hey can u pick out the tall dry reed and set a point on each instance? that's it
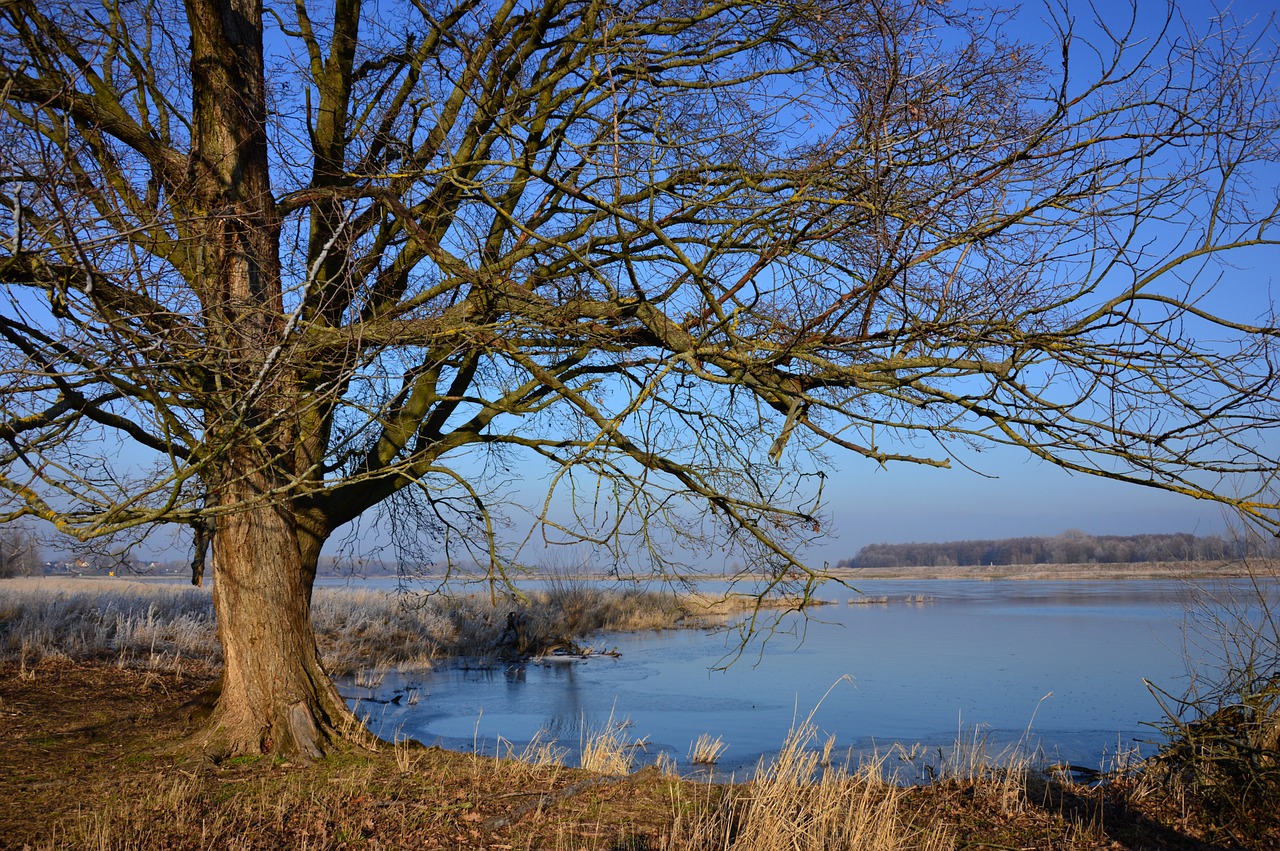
(607, 749)
(793, 803)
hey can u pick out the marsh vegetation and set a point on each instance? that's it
(95, 758)
(137, 622)
(96, 676)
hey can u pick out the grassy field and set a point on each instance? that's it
(93, 757)
(153, 624)
(95, 678)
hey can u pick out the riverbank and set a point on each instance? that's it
(1197, 571)
(1090, 572)
(92, 754)
(1233, 569)
(139, 622)
(363, 626)
(93, 757)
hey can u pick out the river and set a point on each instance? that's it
(1054, 666)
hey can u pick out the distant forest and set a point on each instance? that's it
(1071, 547)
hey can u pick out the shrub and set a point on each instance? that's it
(1221, 739)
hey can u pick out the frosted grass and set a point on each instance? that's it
(123, 619)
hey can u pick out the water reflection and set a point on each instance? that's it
(1055, 663)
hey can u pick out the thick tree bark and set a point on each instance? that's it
(275, 695)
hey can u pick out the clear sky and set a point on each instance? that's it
(1018, 496)
(1027, 497)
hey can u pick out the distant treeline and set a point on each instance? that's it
(1071, 547)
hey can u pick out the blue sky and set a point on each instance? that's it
(1015, 495)
(1018, 496)
(1027, 497)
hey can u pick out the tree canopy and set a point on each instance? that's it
(313, 260)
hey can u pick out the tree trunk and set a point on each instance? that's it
(275, 695)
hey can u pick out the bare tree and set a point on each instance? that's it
(19, 551)
(310, 260)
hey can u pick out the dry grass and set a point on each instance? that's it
(89, 758)
(93, 759)
(370, 678)
(1002, 776)
(707, 750)
(147, 624)
(1221, 737)
(124, 824)
(790, 804)
(123, 781)
(910, 600)
(107, 619)
(607, 749)
(407, 753)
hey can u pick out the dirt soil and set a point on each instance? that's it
(93, 756)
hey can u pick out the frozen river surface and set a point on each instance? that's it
(1054, 664)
